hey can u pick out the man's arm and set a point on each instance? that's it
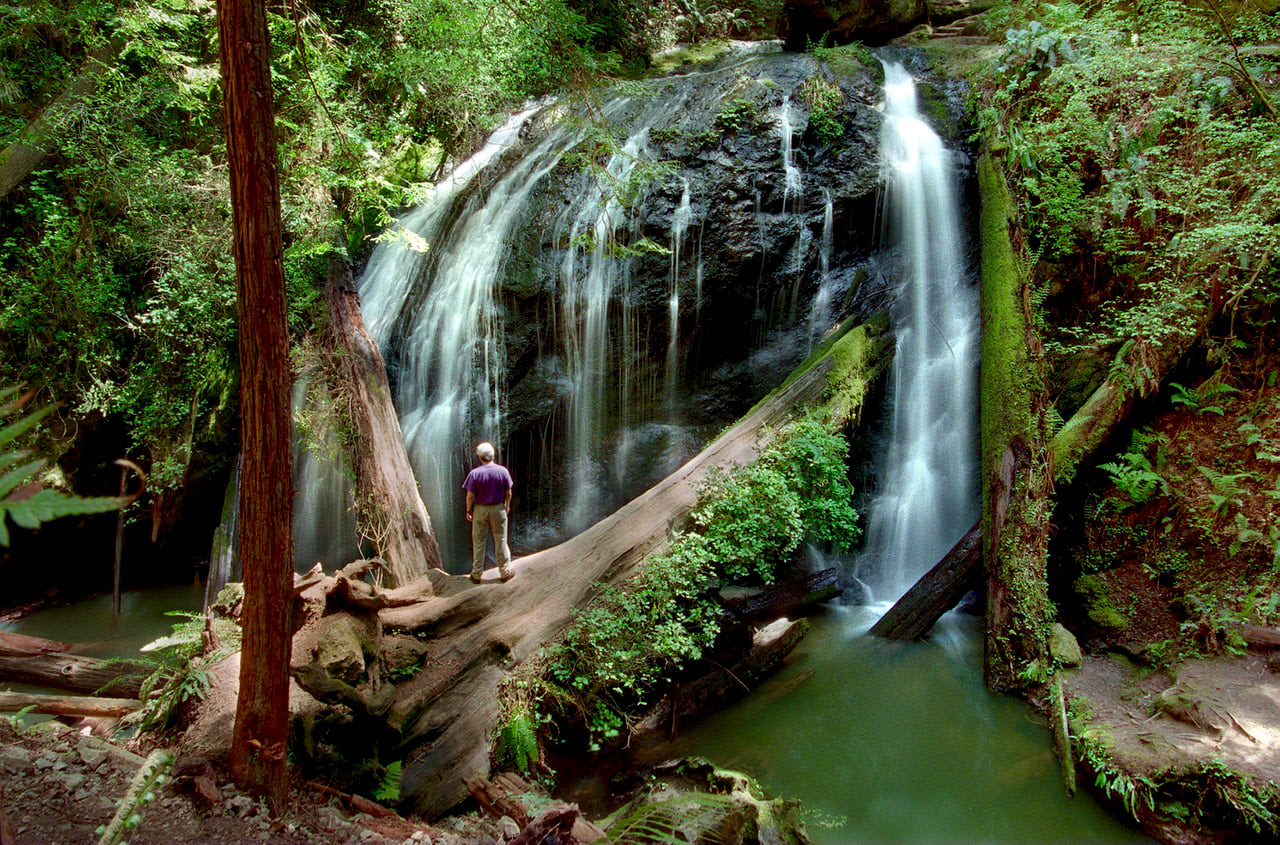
(506, 501)
(471, 502)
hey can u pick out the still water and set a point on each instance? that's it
(142, 619)
(900, 742)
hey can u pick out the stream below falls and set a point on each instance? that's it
(900, 742)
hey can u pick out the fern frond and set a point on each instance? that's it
(16, 429)
(14, 477)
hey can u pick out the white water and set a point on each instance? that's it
(927, 496)
(792, 181)
(679, 225)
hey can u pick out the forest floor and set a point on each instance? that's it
(1176, 554)
(58, 784)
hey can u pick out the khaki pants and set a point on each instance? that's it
(486, 520)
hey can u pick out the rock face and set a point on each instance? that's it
(874, 21)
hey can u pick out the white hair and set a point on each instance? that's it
(486, 451)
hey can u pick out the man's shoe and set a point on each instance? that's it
(506, 576)
(475, 579)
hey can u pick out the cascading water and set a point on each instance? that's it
(819, 316)
(792, 180)
(926, 498)
(679, 225)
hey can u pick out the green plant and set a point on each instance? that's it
(29, 503)
(141, 792)
(1137, 477)
(825, 101)
(17, 720)
(181, 672)
(1195, 399)
(388, 790)
(516, 745)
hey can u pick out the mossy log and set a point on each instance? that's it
(474, 636)
(388, 507)
(937, 591)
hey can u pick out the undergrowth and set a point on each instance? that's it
(638, 636)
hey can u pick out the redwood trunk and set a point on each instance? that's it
(389, 509)
(266, 544)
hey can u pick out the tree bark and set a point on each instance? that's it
(72, 673)
(389, 509)
(937, 591)
(68, 705)
(266, 494)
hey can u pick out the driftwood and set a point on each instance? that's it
(937, 591)
(556, 824)
(785, 598)
(389, 509)
(67, 705)
(72, 673)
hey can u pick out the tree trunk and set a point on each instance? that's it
(29, 149)
(72, 673)
(67, 705)
(1016, 480)
(389, 509)
(266, 493)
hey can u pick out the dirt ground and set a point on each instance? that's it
(59, 785)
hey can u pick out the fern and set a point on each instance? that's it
(24, 501)
(388, 792)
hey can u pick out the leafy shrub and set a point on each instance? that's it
(748, 520)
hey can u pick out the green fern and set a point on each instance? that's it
(25, 501)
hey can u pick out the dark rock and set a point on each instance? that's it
(808, 22)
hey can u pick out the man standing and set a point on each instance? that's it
(488, 489)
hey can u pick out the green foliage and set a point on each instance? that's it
(181, 669)
(1136, 476)
(1141, 162)
(150, 776)
(516, 745)
(388, 791)
(1200, 399)
(825, 102)
(664, 822)
(636, 637)
(28, 503)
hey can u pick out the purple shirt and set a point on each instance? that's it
(490, 483)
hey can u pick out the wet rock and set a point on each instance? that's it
(1063, 646)
(241, 805)
(70, 782)
(121, 759)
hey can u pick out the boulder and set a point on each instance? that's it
(1063, 647)
(808, 22)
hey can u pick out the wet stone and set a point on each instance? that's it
(92, 757)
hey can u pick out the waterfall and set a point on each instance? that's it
(819, 311)
(224, 555)
(792, 183)
(679, 224)
(926, 499)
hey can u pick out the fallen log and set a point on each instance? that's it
(478, 635)
(937, 591)
(785, 598)
(67, 705)
(73, 673)
(500, 797)
(1260, 637)
(21, 645)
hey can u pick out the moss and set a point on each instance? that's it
(674, 60)
(1095, 599)
(853, 59)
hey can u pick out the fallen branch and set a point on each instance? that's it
(67, 705)
(72, 673)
